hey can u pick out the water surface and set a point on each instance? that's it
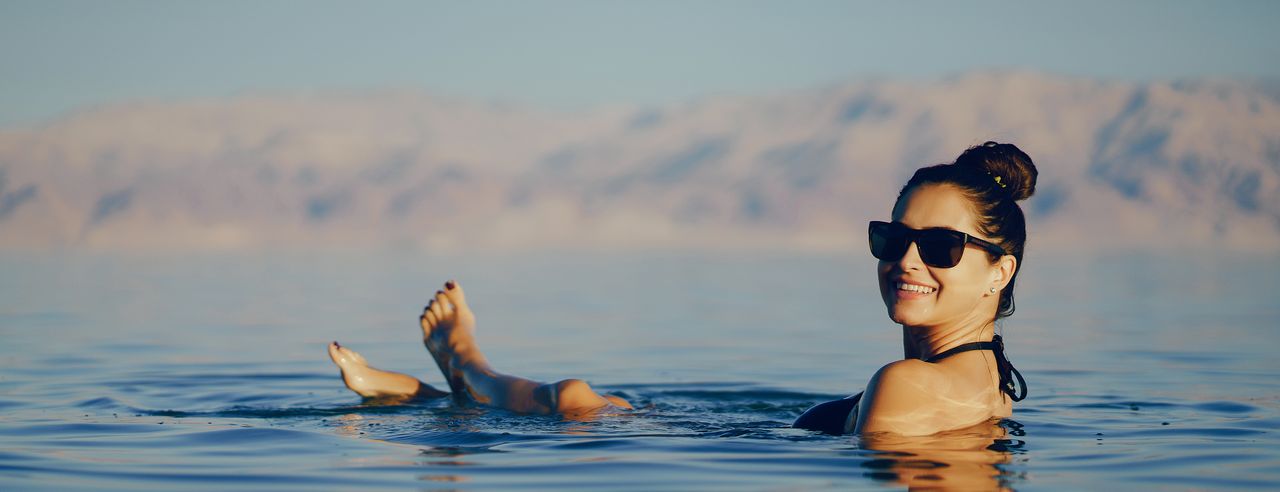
(167, 372)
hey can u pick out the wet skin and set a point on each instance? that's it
(912, 397)
(448, 327)
(377, 384)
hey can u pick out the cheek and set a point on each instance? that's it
(962, 284)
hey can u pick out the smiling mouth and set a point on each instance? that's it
(918, 289)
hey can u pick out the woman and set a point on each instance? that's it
(948, 262)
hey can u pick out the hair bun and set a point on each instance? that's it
(1006, 161)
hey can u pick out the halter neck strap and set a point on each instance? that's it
(1006, 369)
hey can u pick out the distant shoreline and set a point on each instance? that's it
(1163, 166)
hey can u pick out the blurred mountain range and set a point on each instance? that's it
(1186, 165)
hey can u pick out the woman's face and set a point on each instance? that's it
(960, 294)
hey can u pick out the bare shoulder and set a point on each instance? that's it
(913, 397)
(910, 374)
(903, 385)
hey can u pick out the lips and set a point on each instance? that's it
(907, 290)
(915, 288)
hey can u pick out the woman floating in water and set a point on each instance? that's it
(948, 261)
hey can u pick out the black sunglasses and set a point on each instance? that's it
(939, 247)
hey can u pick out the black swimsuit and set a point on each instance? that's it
(830, 417)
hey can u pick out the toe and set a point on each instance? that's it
(446, 307)
(344, 357)
(454, 292)
(436, 309)
(430, 319)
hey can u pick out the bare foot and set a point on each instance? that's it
(375, 383)
(448, 331)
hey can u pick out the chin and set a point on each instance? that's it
(895, 315)
(905, 316)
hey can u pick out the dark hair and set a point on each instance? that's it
(994, 177)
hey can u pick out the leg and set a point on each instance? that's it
(448, 328)
(375, 383)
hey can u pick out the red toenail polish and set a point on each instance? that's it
(449, 285)
(439, 292)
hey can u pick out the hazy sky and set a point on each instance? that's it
(59, 56)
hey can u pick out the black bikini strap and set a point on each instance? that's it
(993, 346)
(1005, 368)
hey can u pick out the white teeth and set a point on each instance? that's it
(915, 288)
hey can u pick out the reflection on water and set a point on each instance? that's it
(129, 373)
(959, 460)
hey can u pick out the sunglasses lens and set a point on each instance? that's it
(888, 243)
(940, 249)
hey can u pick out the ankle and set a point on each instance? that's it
(472, 361)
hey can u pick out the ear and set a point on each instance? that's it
(1003, 272)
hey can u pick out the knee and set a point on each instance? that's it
(572, 387)
(575, 394)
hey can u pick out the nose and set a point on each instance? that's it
(911, 259)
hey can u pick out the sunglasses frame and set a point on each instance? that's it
(914, 236)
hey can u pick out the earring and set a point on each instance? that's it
(993, 290)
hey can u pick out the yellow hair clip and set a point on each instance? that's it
(1002, 185)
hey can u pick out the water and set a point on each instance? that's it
(206, 372)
